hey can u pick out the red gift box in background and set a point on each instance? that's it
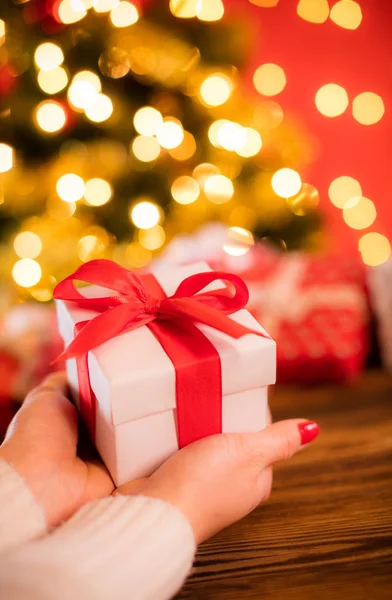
(314, 305)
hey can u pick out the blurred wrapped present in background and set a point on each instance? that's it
(125, 126)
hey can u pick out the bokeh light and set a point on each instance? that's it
(342, 189)
(26, 272)
(147, 120)
(71, 11)
(102, 6)
(90, 247)
(124, 14)
(347, 14)
(269, 79)
(203, 171)
(50, 116)
(368, 108)
(305, 202)
(90, 77)
(99, 109)
(186, 149)
(145, 214)
(2, 32)
(359, 213)
(70, 187)
(52, 81)
(213, 131)
(210, 10)
(48, 56)
(314, 11)
(239, 241)
(231, 136)
(265, 3)
(170, 133)
(97, 191)
(81, 94)
(375, 248)
(146, 148)
(268, 115)
(137, 256)
(252, 144)
(152, 238)
(185, 190)
(216, 89)
(184, 9)
(218, 188)
(27, 244)
(331, 100)
(286, 183)
(6, 157)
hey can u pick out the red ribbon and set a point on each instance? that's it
(140, 301)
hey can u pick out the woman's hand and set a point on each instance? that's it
(41, 444)
(220, 479)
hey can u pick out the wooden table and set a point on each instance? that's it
(326, 532)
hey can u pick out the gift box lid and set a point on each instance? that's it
(132, 376)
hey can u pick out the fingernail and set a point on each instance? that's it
(308, 431)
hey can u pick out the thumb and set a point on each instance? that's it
(283, 439)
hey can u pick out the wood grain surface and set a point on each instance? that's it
(326, 532)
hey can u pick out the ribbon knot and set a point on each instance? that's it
(132, 307)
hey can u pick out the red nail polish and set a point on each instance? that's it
(308, 431)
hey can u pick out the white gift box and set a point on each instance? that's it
(133, 380)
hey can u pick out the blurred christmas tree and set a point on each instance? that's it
(123, 125)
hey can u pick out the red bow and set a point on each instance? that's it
(132, 307)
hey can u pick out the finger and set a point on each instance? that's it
(132, 488)
(282, 440)
(99, 482)
(55, 382)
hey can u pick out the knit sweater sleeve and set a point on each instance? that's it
(121, 547)
(21, 518)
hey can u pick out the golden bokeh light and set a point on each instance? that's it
(186, 149)
(359, 213)
(59, 210)
(97, 191)
(50, 116)
(203, 171)
(147, 120)
(331, 100)
(81, 94)
(90, 247)
(231, 136)
(170, 134)
(48, 56)
(26, 272)
(210, 10)
(216, 89)
(137, 256)
(53, 81)
(145, 214)
(27, 244)
(346, 14)
(42, 294)
(124, 14)
(71, 11)
(99, 109)
(314, 11)
(218, 189)
(2, 32)
(153, 238)
(6, 157)
(90, 77)
(239, 241)
(269, 79)
(70, 187)
(375, 249)
(286, 183)
(368, 108)
(146, 148)
(102, 6)
(342, 189)
(185, 190)
(252, 145)
(213, 131)
(268, 115)
(184, 9)
(305, 202)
